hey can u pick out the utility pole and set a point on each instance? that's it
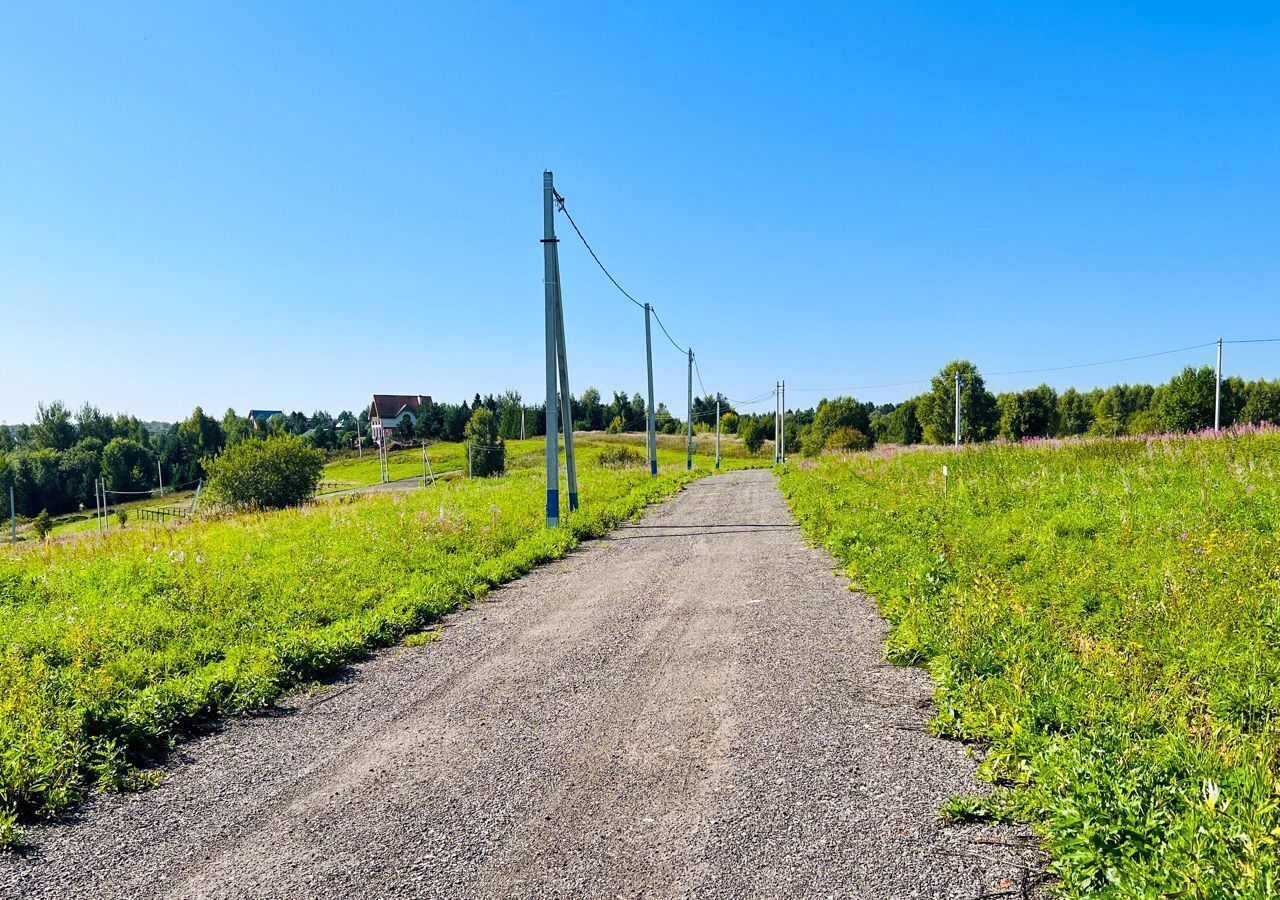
(957, 409)
(97, 506)
(651, 441)
(777, 402)
(717, 431)
(783, 421)
(688, 441)
(549, 308)
(522, 421)
(160, 477)
(1217, 394)
(566, 399)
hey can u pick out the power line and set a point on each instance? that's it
(699, 373)
(1255, 341)
(1104, 362)
(667, 333)
(582, 238)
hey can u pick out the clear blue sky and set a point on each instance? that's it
(296, 207)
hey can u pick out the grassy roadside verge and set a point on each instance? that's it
(1106, 617)
(111, 650)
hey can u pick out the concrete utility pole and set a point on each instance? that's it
(651, 441)
(522, 422)
(688, 441)
(1217, 394)
(426, 461)
(717, 431)
(957, 409)
(566, 399)
(782, 427)
(551, 309)
(777, 403)
(160, 478)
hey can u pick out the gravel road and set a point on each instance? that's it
(694, 706)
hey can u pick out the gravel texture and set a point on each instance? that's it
(694, 706)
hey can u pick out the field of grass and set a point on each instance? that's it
(1105, 616)
(112, 649)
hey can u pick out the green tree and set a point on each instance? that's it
(1261, 403)
(268, 474)
(53, 428)
(838, 412)
(901, 426)
(1186, 402)
(751, 430)
(487, 451)
(235, 428)
(590, 411)
(1029, 413)
(128, 466)
(1075, 414)
(979, 417)
(405, 430)
(201, 436)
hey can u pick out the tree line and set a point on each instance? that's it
(1185, 403)
(52, 463)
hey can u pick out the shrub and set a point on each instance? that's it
(487, 452)
(122, 517)
(751, 431)
(42, 524)
(620, 457)
(848, 440)
(616, 426)
(270, 474)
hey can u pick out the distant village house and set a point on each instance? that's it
(387, 411)
(260, 417)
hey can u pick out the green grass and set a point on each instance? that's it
(1106, 617)
(110, 650)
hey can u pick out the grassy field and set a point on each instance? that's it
(1105, 616)
(112, 649)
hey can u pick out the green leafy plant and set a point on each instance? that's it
(268, 474)
(42, 524)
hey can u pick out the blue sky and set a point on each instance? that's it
(297, 206)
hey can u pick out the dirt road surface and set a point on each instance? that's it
(694, 706)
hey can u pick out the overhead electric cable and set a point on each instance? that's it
(582, 238)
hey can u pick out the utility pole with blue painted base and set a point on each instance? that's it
(549, 299)
(557, 362)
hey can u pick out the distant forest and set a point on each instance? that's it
(52, 463)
